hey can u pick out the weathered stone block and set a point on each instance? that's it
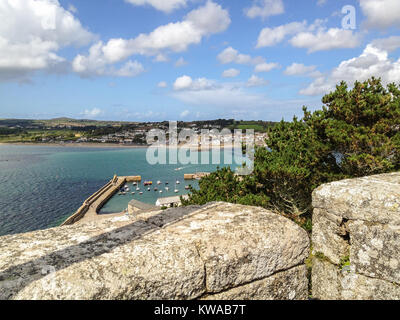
(291, 284)
(375, 250)
(174, 254)
(356, 227)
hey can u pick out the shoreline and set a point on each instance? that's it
(110, 145)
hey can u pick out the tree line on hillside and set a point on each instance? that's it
(357, 133)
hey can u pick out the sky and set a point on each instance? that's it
(154, 60)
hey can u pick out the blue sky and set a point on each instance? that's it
(151, 60)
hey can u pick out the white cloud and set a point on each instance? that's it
(184, 114)
(389, 44)
(129, 69)
(231, 73)
(271, 36)
(266, 67)
(321, 2)
(31, 34)
(187, 83)
(162, 84)
(92, 113)
(255, 81)
(180, 62)
(166, 6)
(72, 8)
(265, 8)
(314, 37)
(323, 39)
(161, 58)
(99, 65)
(372, 62)
(381, 14)
(176, 37)
(297, 69)
(231, 55)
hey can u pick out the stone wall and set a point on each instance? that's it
(356, 239)
(218, 251)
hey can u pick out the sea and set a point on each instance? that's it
(41, 186)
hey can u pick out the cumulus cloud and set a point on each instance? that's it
(265, 8)
(372, 62)
(314, 37)
(231, 73)
(266, 67)
(166, 6)
(297, 69)
(92, 113)
(31, 34)
(389, 44)
(187, 83)
(231, 55)
(326, 39)
(381, 14)
(271, 36)
(321, 2)
(162, 84)
(255, 81)
(173, 37)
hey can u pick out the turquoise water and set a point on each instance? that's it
(40, 186)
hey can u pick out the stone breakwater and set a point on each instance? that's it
(92, 205)
(217, 251)
(356, 239)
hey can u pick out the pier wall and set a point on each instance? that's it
(96, 201)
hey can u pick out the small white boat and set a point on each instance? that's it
(176, 191)
(158, 182)
(178, 182)
(160, 191)
(166, 188)
(133, 193)
(137, 189)
(148, 189)
(127, 189)
(140, 193)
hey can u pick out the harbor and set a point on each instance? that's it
(132, 188)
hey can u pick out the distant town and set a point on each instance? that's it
(71, 131)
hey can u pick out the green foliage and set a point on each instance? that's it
(224, 185)
(357, 133)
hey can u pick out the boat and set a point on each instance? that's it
(158, 182)
(176, 191)
(148, 189)
(140, 192)
(160, 191)
(134, 184)
(166, 183)
(120, 193)
(155, 189)
(187, 187)
(148, 183)
(137, 189)
(127, 189)
(133, 193)
(178, 182)
(166, 188)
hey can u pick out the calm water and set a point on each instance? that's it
(40, 186)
